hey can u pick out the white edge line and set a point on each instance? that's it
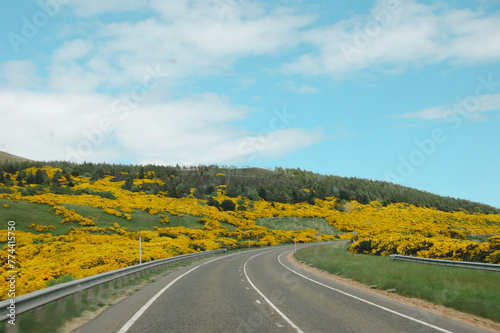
(139, 313)
(363, 300)
(266, 299)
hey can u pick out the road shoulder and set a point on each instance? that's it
(465, 318)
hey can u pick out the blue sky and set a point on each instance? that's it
(404, 91)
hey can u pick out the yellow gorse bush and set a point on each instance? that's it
(88, 249)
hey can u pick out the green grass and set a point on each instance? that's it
(297, 223)
(230, 227)
(478, 238)
(24, 213)
(472, 291)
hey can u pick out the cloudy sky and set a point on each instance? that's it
(405, 91)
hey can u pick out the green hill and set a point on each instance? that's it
(278, 185)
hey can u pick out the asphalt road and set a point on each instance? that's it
(260, 291)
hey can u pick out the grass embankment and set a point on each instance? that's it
(24, 213)
(297, 223)
(468, 290)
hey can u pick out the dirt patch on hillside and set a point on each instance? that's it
(466, 318)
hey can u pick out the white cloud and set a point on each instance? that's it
(73, 79)
(299, 89)
(200, 129)
(72, 51)
(19, 74)
(196, 129)
(396, 37)
(278, 143)
(184, 37)
(46, 123)
(468, 107)
(90, 8)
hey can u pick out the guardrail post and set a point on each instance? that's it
(111, 285)
(61, 304)
(100, 290)
(77, 298)
(119, 282)
(90, 294)
(40, 313)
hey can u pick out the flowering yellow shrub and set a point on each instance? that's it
(87, 249)
(41, 228)
(420, 232)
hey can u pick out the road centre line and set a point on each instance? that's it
(143, 309)
(266, 299)
(363, 300)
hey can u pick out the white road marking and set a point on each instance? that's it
(139, 313)
(266, 299)
(363, 300)
(257, 301)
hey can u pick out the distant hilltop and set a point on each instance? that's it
(4, 157)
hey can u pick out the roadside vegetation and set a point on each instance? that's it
(467, 290)
(78, 220)
(297, 223)
(53, 319)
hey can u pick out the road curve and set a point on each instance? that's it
(260, 291)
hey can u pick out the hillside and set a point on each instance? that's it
(278, 185)
(6, 157)
(78, 220)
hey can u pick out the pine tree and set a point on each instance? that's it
(40, 177)
(227, 205)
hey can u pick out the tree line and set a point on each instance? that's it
(278, 185)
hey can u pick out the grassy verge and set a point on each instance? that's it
(297, 223)
(472, 291)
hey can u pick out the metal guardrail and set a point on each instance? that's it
(450, 263)
(41, 297)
